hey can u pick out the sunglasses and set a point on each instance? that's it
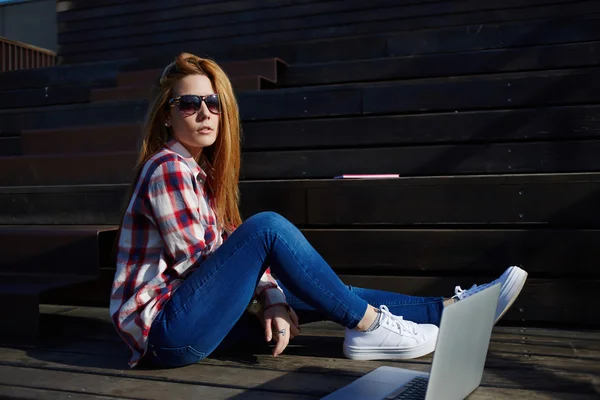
(189, 104)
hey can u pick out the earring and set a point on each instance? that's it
(167, 124)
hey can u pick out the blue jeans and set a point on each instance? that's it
(208, 310)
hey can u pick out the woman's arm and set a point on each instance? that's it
(175, 209)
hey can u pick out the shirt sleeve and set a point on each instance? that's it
(269, 292)
(175, 207)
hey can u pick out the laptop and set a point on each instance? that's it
(458, 361)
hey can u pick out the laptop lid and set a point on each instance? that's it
(463, 342)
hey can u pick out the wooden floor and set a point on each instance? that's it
(81, 357)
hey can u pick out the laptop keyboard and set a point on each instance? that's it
(415, 389)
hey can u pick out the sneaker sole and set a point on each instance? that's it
(389, 353)
(516, 282)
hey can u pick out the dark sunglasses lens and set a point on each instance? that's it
(188, 105)
(212, 103)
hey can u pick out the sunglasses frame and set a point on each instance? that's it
(176, 101)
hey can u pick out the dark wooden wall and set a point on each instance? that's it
(93, 30)
(489, 110)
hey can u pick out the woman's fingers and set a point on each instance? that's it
(282, 333)
(268, 320)
(294, 331)
(294, 318)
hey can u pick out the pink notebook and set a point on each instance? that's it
(367, 176)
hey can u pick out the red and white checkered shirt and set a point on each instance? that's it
(169, 228)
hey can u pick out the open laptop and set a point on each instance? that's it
(458, 361)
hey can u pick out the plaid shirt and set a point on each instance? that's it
(169, 228)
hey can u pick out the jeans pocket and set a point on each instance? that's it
(167, 357)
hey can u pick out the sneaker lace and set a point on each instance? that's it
(463, 294)
(400, 322)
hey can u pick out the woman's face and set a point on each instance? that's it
(199, 129)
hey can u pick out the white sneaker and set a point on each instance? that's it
(395, 338)
(512, 282)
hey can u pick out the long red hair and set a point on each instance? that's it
(223, 155)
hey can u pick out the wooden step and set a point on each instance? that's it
(121, 93)
(524, 200)
(455, 64)
(370, 39)
(82, 139)
(545, 124)
(20, 293)
(96, 73)
(48, 96)
(413, 161)
(50, 250)
(479, 92)
(267, 68)
(36, 259)
(144, 92)
(10, 146)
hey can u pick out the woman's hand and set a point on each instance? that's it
(278, 319)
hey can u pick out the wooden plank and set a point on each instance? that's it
(300, 27)
(334, 371)
(298, 18)
(25, 393)
(103, 204)
(267, 68)
(239, 84)
(72, 5)
(121, 93)
(89, 205)
(568, 122)
(542, 157)
(502, 91)
(294, 103)
(93, 334)
(117, 167)
(44, 96)
(19, 321)
(496, 35)
(98, 73)
(93, 139)
(10, 146)
(457, 202)
(168, 10)
(58, 169)
(455, 64)
(44, 249)
(541, 252)
(114, 386)
(69, 116)
(69, 319)
(521, 367)
(553, 200)
(557, 301)
(476, 92)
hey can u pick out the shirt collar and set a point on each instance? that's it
(180, 149)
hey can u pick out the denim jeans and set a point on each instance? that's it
(208, 310)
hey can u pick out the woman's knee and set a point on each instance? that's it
(268, 219)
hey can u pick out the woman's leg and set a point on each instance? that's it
(205, 307)
(422, 310)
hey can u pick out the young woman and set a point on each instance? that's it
(191, 277)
